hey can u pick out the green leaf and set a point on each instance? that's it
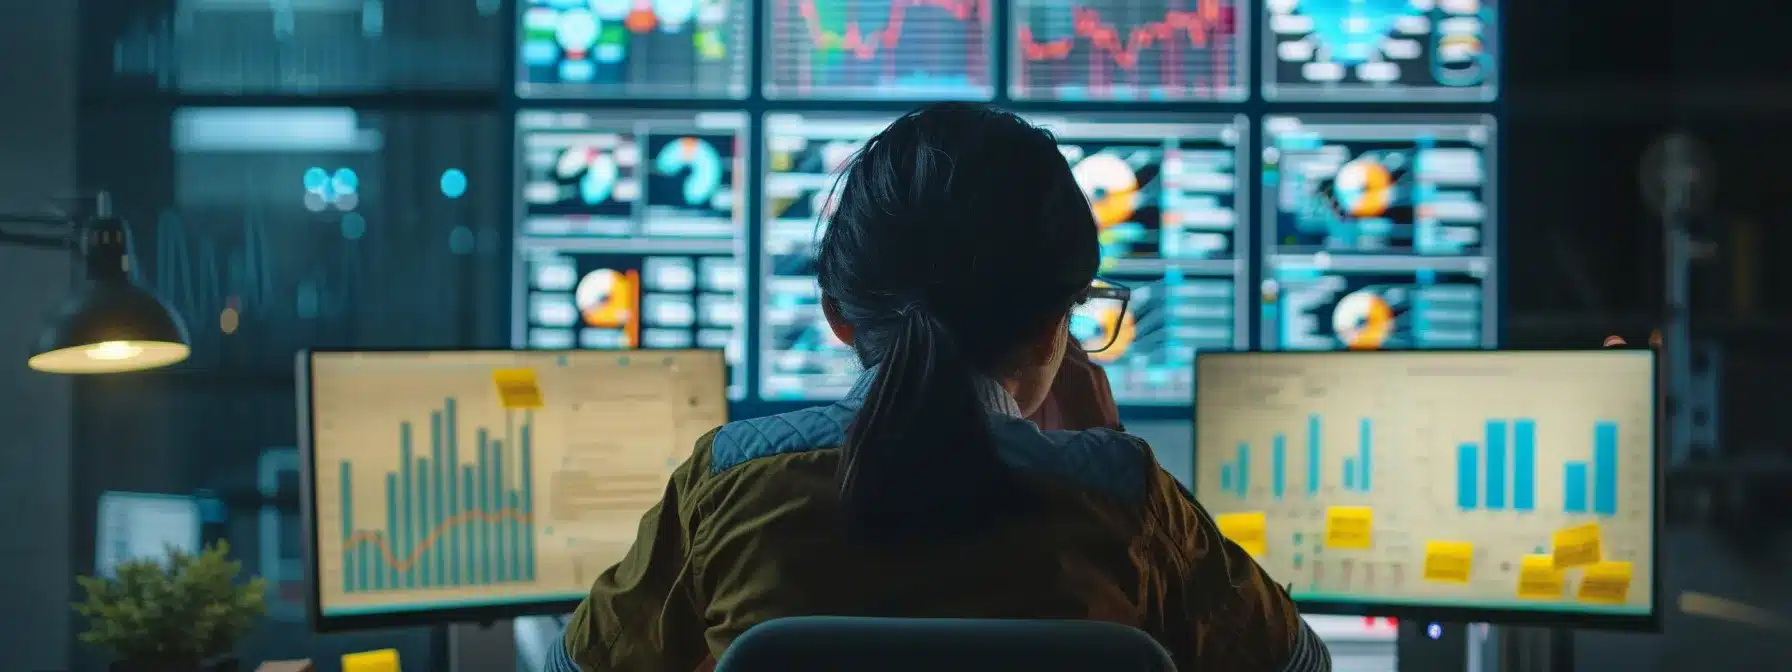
(182, 608)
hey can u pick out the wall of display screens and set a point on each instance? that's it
(1278, 174)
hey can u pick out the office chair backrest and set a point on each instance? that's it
(842, 644)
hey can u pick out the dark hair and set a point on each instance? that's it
(959, 235)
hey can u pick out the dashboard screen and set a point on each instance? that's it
(800, 359)
(879, 49)
(630, 232)
(1381, 50)
(689, 49)
(1122, 50)
(1171, 210)
(1492, 480)
(1379, 232)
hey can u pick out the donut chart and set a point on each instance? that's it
(609, 299)
(1364, 187)
(700, 162)
(1111, 186)
(1363, 320)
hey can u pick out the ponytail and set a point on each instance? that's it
(919, 459)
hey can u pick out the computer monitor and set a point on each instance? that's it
(144, 526)
(469, 486)
(631, 232)
(1473, 486)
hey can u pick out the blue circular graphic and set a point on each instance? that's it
(454, 183)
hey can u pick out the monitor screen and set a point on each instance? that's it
(878, 50)
(692, 49)
(1381, 50)
(443, 481)
(1172, 215)
(1379, 233)
(799, 357)
(1129, 50)
(629, 232)
(136, 526)
(1515, 481)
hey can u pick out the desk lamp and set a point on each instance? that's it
(110, 325)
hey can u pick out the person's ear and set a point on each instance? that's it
(841, 328)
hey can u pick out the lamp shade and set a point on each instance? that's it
(112, 327)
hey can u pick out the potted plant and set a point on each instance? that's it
(182, 613)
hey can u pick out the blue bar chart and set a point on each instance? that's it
(447, 524)
(1488, 478)
(1367, 471)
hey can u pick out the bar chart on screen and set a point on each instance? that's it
(1369, 472)
(464, 479)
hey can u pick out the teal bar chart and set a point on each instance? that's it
(448, 524)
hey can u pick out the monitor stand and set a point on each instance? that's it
(482, 647)
(1428, 646)
(1535, 649)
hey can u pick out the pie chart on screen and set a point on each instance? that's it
(1363, 320)
(1112, 187)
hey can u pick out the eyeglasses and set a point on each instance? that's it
(1100, 322)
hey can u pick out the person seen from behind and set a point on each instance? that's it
(958, 249)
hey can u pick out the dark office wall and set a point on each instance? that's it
(36, 163)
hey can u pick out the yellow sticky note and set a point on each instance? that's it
(517, 388)
(1249, 530)
(1538, 578)
(1577, 546)
(1605, 582)
(383, 660)
(1349, 527)
(1448, 561)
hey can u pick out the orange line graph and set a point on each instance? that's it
(1086, 24)
(865, 45)
(379, 540)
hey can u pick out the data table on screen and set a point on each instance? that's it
(878, 49)
(799, 357)
(474, 479)
(1379, 186)
(1377, 307)
(1129, 50)
(687, 49)
(1506, 480)
(630, 232)
(1380, 50)
(1172, 211)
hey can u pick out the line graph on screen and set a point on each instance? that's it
(1114, 50)
(879, 49)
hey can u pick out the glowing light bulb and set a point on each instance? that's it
(112, 351)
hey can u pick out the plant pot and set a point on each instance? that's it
(217, 664)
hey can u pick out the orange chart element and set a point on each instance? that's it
(611, 299)
(1364, 188)
(1363, 320)
(1112, 188)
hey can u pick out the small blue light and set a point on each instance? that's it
(1434, 631)
(345, 181)
(316, 179)
(454, 183)
(353, 226)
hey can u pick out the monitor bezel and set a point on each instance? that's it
(1443, 612)
(485, 614)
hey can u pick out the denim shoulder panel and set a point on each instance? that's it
(793, 432)
(1116, 464)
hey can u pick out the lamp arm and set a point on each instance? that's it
(61, 240)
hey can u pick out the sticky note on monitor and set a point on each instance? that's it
(1249, 530)
(1605, 583)
(1577, 546)
(383, 660)
(517, 388)
(1538, 578)
(1349, 527)
(1448, 561)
